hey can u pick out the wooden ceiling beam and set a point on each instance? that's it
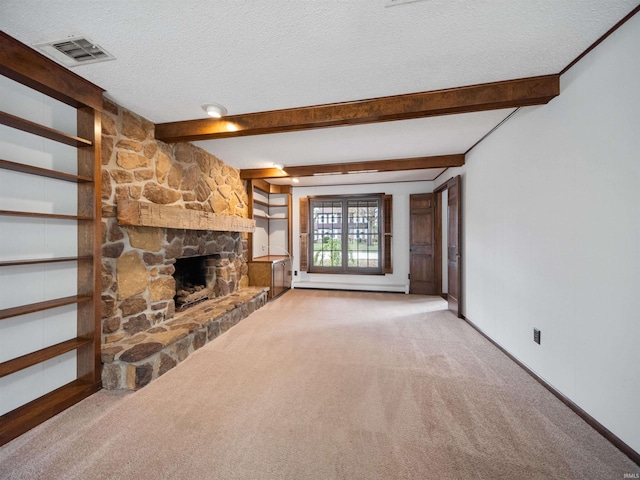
(474, 98)
(416, 163)
(256, 173)
(29, 67)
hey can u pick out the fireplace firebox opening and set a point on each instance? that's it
(195, 280)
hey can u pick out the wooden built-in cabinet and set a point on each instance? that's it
(273, 271)
(39, 230)
(270, 243)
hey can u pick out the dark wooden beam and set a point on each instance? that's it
(474, 98)
(417, 163)
(258, 173)
(25, 65)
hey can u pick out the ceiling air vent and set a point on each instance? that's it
(75, 51)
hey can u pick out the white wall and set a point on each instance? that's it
(398, 280)
(32, 238)
(551, 236)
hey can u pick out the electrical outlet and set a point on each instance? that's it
(536, 336)
(295, 273)
(264, 247)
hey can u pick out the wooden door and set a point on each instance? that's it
(422, 273)
(454, 221)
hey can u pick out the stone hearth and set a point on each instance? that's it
(135, 361)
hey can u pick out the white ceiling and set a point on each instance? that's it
(256, 55)
(445, 135)
(424, 175)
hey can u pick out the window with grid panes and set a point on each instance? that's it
(345, 234)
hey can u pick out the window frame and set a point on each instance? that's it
(345, 269)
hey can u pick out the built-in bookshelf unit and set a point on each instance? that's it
(271, 209)
(50, 238)
(270, 244)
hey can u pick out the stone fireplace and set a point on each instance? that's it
(145, 275)
(139, 262)
(195, 248)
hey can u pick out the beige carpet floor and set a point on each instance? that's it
(327, 385)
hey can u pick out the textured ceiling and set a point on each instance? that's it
(257, 55)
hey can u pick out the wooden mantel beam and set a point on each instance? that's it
(473, 98)
(131, 212)
(417, 163)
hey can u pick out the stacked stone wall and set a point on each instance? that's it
(137, 262)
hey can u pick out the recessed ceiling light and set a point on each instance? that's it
(214, 110)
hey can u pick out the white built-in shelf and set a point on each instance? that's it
(39, 356)
(40, 306)
(39, 261)
(277, 200)
(43, 172)
(274, 216)
(42, 131)
(271, 211)
(58, 216)
(42, 80)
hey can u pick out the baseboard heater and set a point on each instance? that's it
(364, 287)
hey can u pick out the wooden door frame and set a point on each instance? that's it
(438, 243)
